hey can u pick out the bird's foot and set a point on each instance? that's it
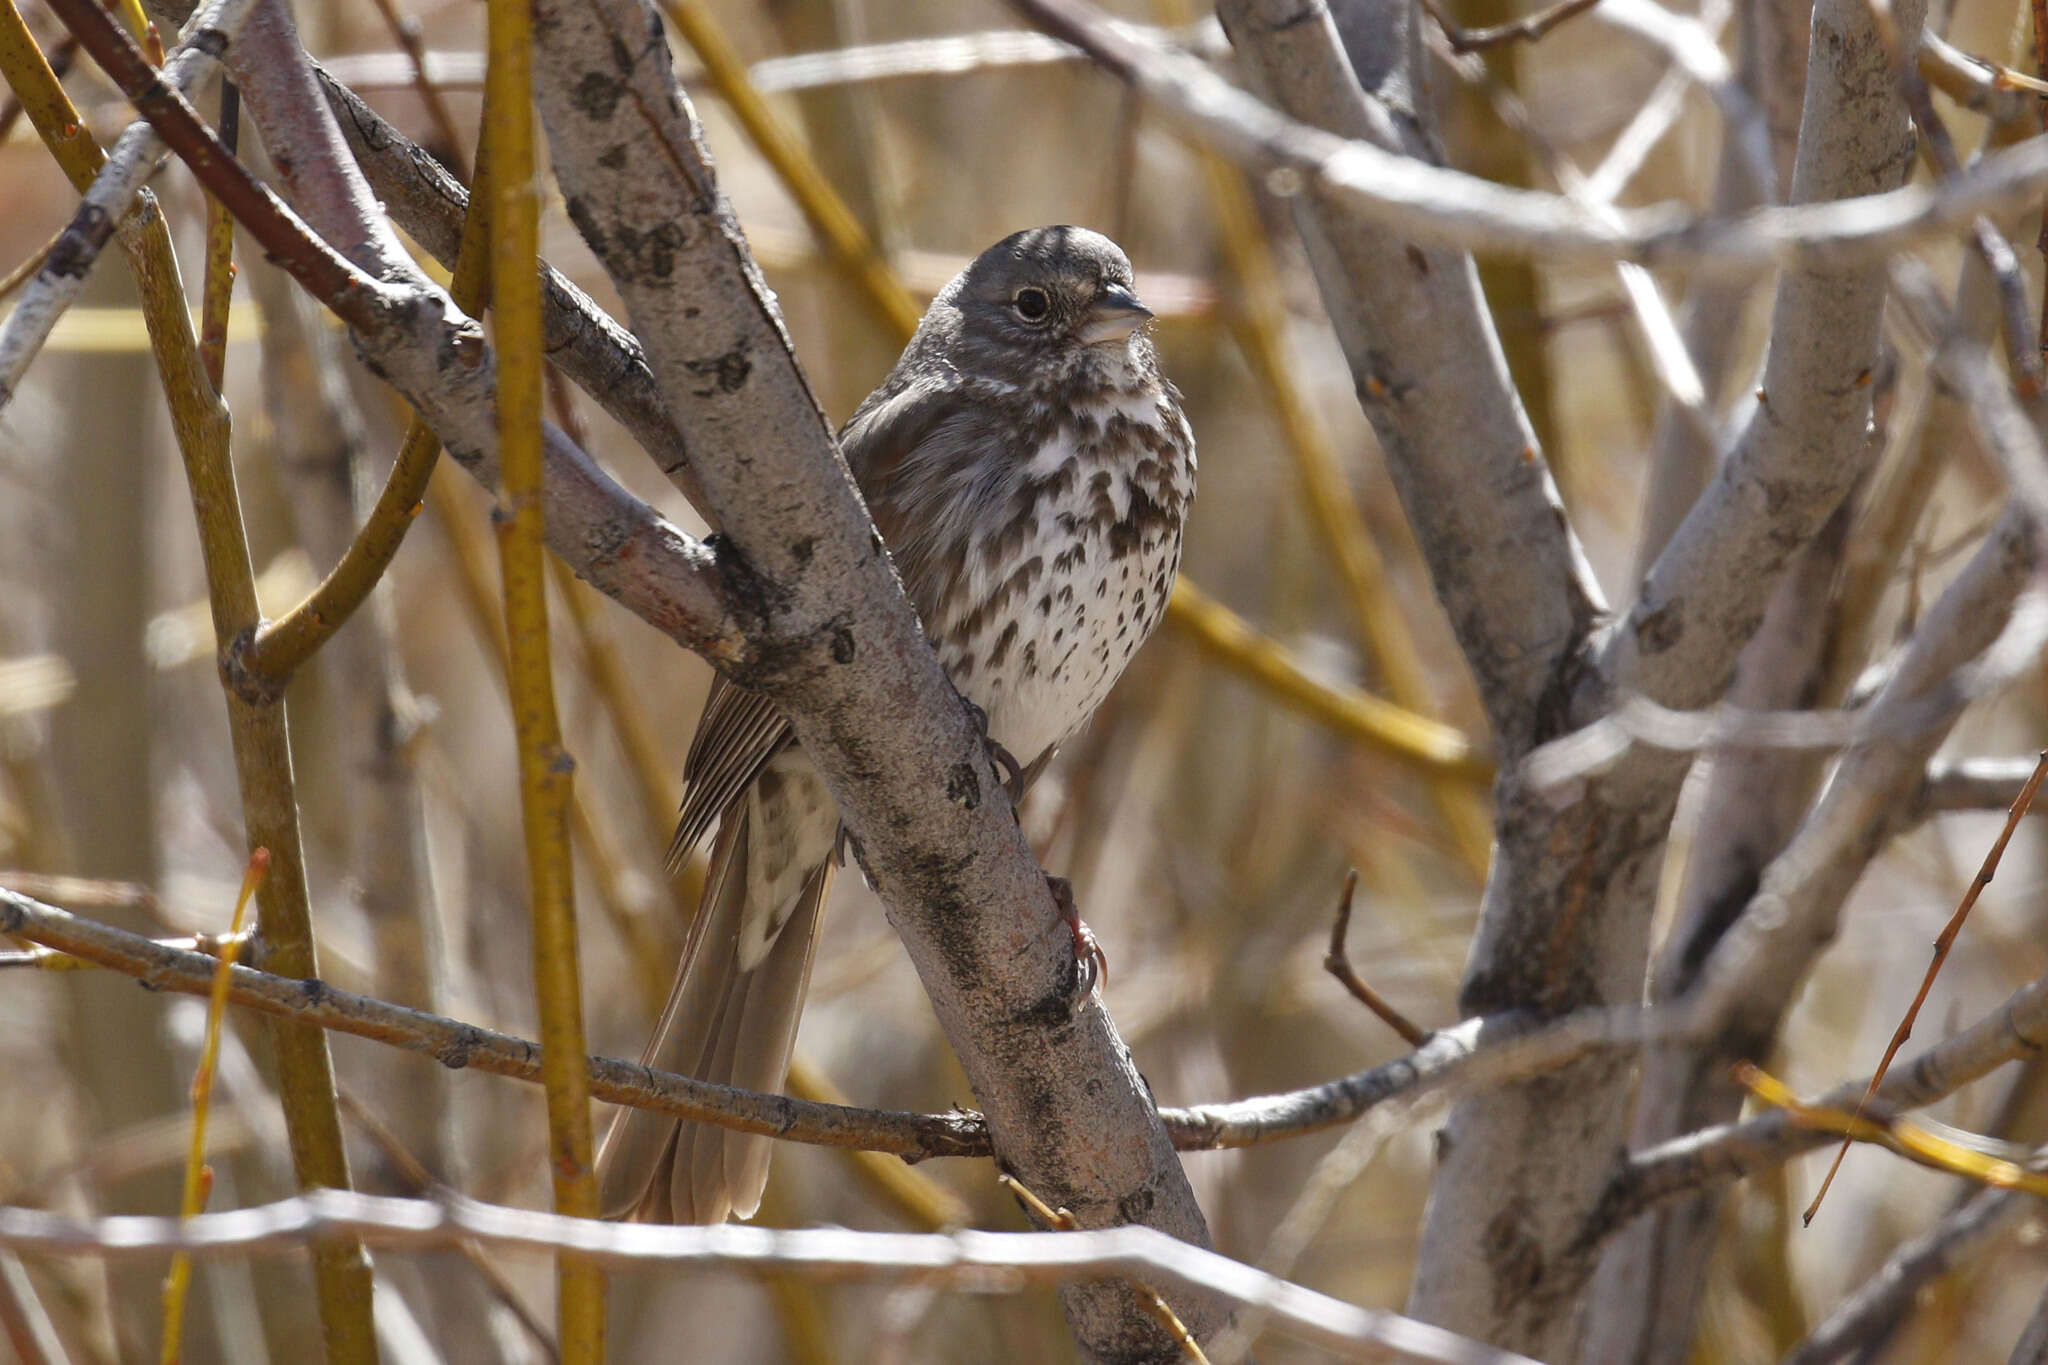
(1091, 964)
(1012, 770)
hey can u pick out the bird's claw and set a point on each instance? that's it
(1013, 771)
(1091, 964)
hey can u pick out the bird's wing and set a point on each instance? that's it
(742, 730)
(739, 732)
(892, 423)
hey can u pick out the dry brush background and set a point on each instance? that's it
(1207, 820)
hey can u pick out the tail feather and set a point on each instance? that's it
(726, 1171)
(722, 1023)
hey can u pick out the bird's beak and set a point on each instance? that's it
(1115, 314)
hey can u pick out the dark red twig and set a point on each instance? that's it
(1942, 944)
(1338, 964)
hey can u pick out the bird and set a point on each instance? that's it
(1030, 472)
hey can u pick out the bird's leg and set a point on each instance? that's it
(1091, 963)
(1013, 771)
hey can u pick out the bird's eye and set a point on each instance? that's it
(1032, 305)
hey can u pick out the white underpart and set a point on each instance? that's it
(1081, 645)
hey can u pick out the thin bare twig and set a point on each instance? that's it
(1338, 964)
(1451, 1057)
(1942, 943)
(457, 1045)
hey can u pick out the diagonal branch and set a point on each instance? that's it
(850, 661)
(585, 342)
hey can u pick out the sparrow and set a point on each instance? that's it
(1030, 472)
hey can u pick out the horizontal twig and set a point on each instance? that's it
(455, 1044)
(1966, 784)
(1450, 1058)
(978, 1262)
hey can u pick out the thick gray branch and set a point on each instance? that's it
(1804, 445)
(1430, 373)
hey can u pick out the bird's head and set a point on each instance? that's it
(1046, 293)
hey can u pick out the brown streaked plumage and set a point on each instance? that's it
(1030, 472)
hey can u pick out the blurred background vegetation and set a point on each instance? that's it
(1207, 824)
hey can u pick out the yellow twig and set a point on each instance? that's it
(1908, 1139)
(217, 290)
(200, 423)
(1424, 744)
(42, 97)
(199, 1175)
(146, 36)
(544, 766)
(844, 238)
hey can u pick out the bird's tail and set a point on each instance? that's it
(726, 1022)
